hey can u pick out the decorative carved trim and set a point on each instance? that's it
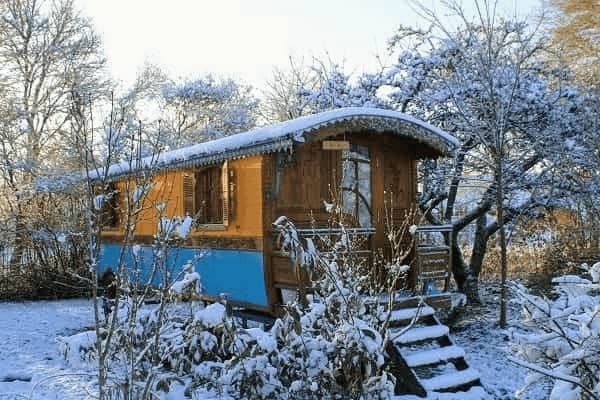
(237, 243)
(203, 242)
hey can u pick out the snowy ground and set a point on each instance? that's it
(29, 358)
(476, 330)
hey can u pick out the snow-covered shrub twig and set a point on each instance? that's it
(564, 338)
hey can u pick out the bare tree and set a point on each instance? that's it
(121, 369)
(281, 100)
(47, 50)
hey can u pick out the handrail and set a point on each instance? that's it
(435, 228)
(371, 230)
(334, 231)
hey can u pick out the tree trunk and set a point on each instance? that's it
(471, 290)
(459, 267)
(480, 241)
(467, 281)
(466, 275)
(502, 243)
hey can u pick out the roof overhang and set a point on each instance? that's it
(283, 136)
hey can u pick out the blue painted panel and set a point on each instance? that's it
(239, 273)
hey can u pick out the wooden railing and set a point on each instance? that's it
(287, 275)
(322, 237)
(433, 258)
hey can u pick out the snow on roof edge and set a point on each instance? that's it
(280, 137)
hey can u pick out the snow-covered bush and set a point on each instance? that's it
(189, 287)
(309, 353)
(141, 343)
(329, 344)
(563, 340)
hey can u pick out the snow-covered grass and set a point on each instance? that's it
(29, 358)
(486, 346)
(29, 354)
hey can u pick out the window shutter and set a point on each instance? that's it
(225, 185)
(111, 207)
(188, 194)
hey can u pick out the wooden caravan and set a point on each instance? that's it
(235, 187)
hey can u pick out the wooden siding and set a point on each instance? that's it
(297, 185)
(306, 180)
(164, 190)
(313, 176)
(173, 189)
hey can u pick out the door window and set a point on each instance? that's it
(356, 184)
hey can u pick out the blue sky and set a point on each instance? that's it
(247, 38)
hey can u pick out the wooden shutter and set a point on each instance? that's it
(225, 186)
(111, 207)
(188, 195)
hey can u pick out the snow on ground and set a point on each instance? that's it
(29, 354)
(485, 345)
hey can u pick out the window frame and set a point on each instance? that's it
(191, 199)
(349, 159)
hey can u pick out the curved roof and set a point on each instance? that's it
(282, 136)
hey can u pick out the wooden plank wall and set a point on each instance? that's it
(313, 175)
(305, 182)
(164, 189)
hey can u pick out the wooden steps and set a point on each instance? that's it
(436, 301)
(423, 356)
(434, 356)
(416, 335)
(452, 382)
(403, 316)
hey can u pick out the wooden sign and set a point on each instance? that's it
(433, 261)
(336, 145)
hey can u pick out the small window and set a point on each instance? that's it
(206, 195)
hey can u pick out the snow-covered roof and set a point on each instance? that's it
(282, 136)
